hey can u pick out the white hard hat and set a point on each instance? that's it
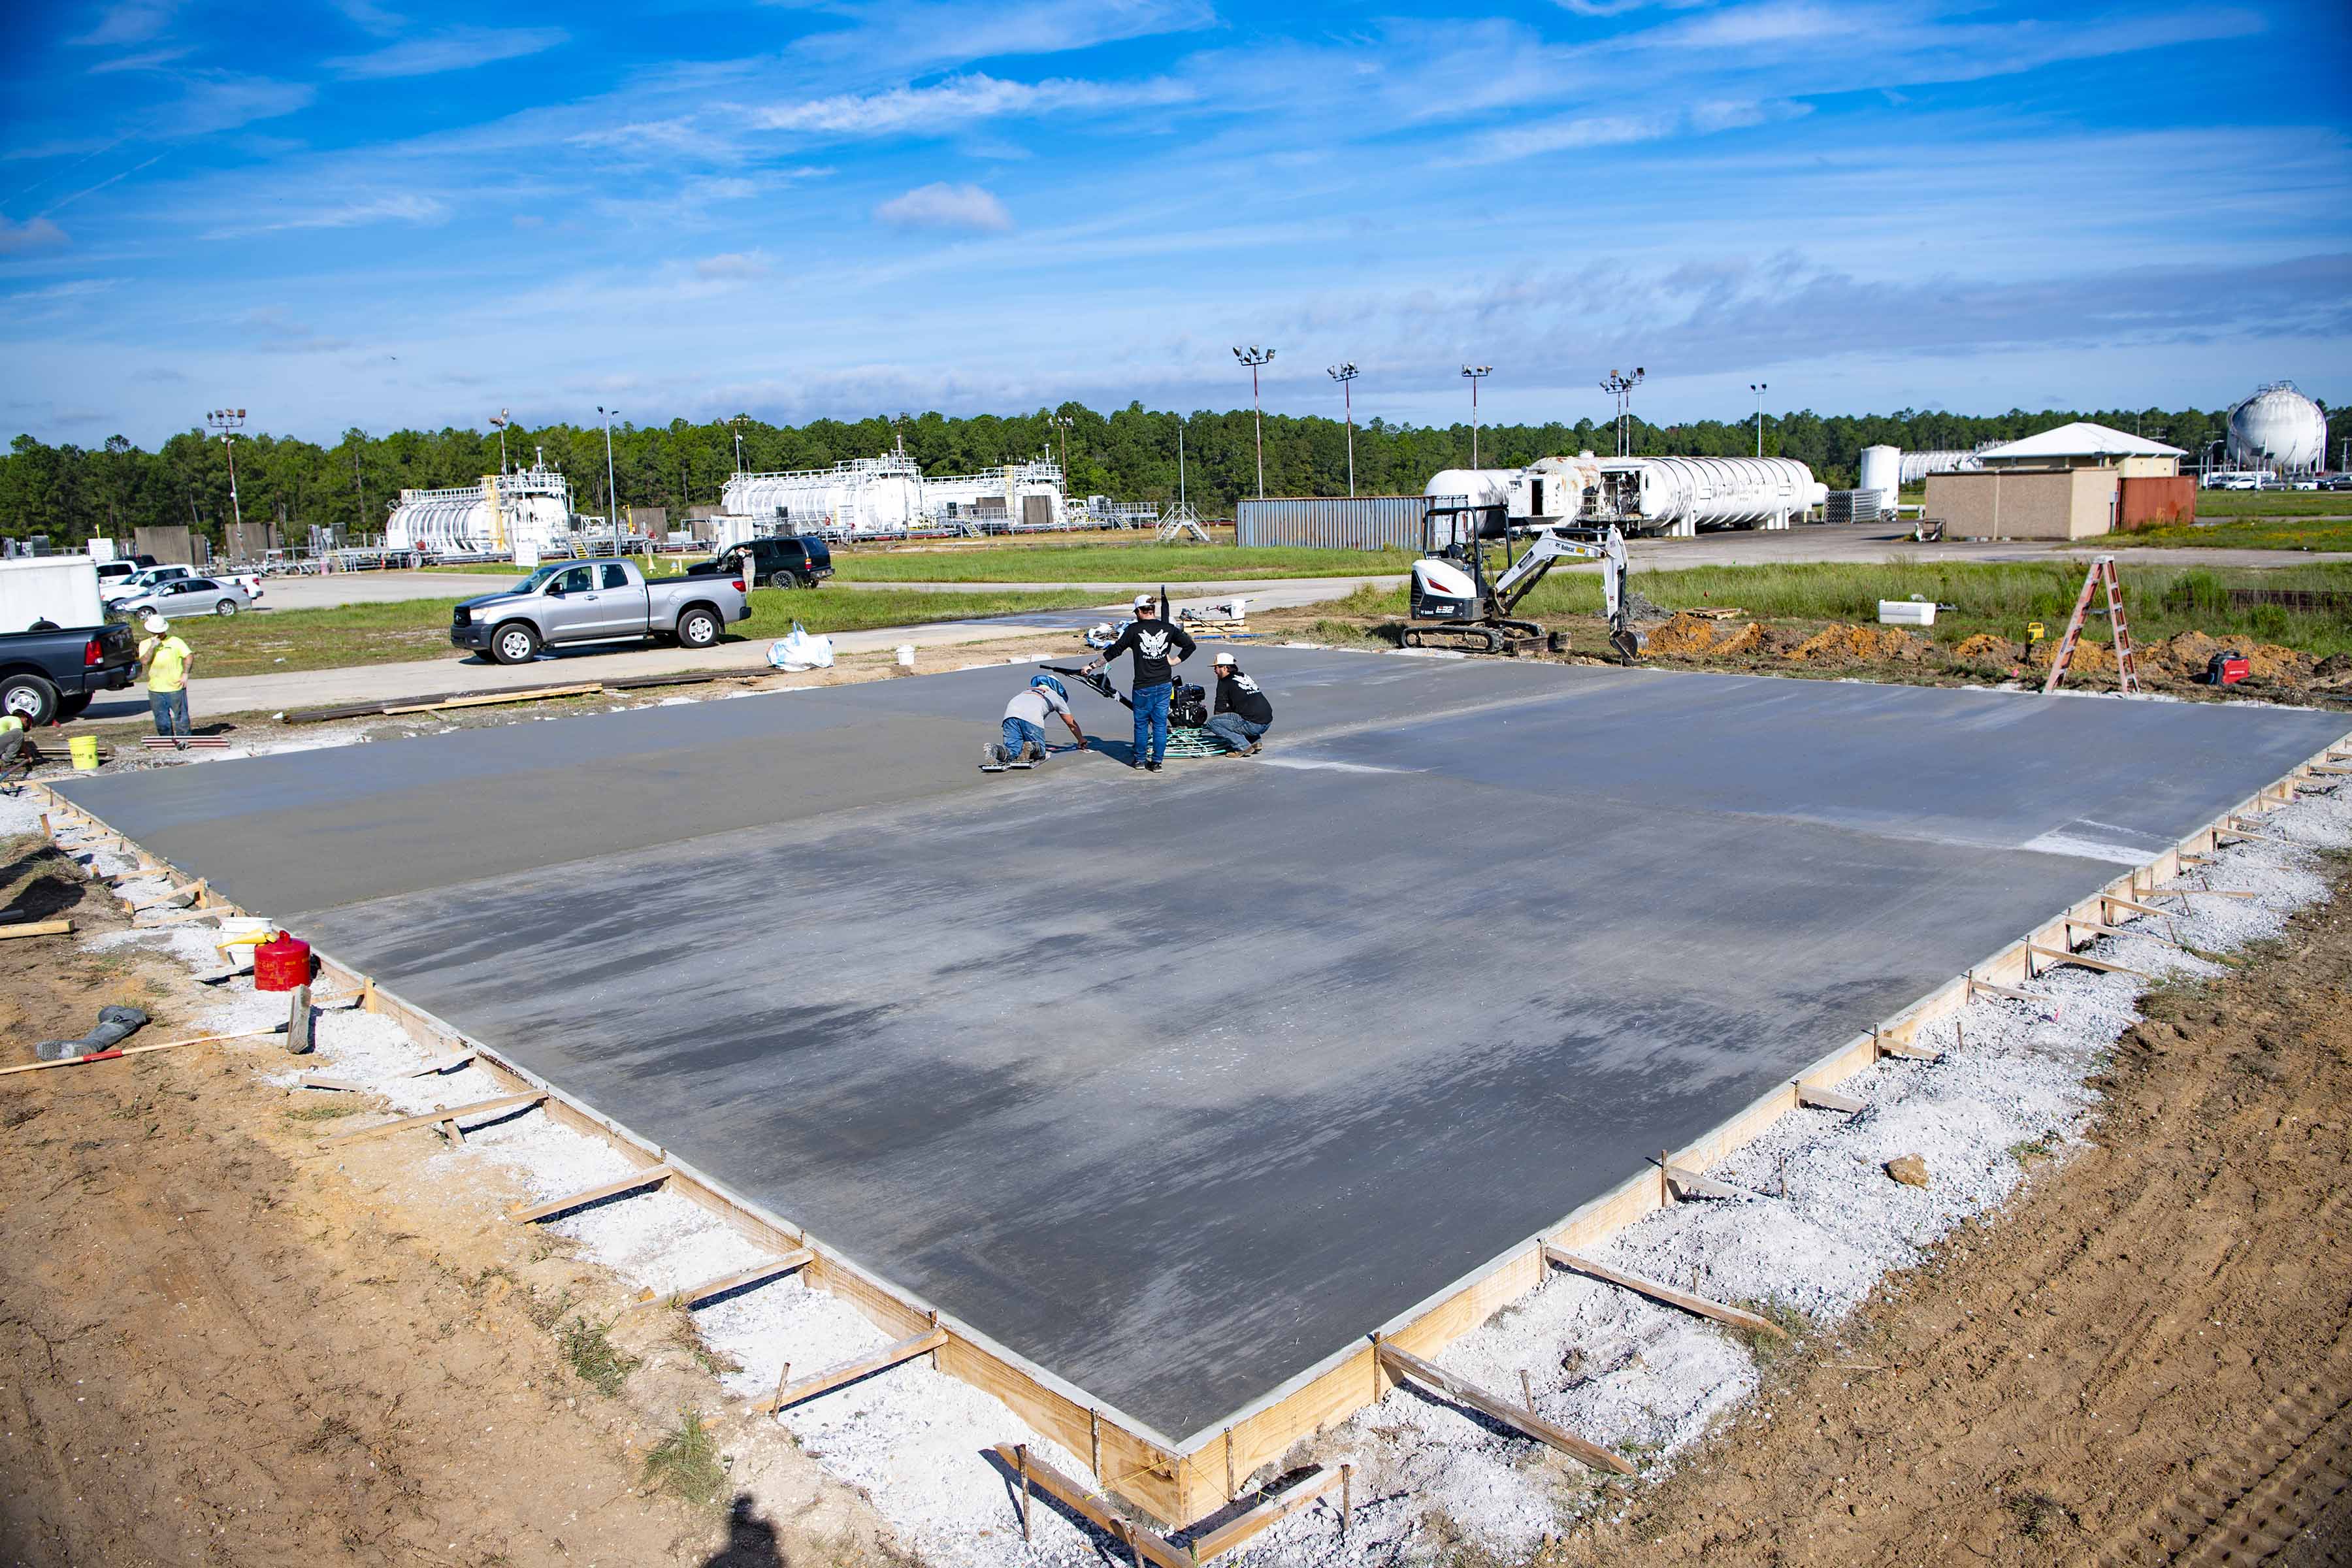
(1225, 656)
(155, 623)
(1143, 600)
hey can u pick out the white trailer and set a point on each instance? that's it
(60, 589)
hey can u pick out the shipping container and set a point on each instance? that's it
(1318, 522)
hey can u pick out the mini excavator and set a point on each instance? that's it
(1453, 596)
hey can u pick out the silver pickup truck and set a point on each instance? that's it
(596, 601)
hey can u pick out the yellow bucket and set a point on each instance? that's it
(85, 752)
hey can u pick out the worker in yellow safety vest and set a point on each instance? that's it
(164, 659)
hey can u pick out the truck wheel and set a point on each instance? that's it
(226, 607)
(514, 642)
(698, 627)
(30, 698)
(72, 707)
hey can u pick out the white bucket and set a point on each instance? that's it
(906, 655)
(236, 937)
(1906, 612)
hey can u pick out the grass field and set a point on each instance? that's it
(282, 641)
(2265, 533)
(1145, 564)
(2002, 599)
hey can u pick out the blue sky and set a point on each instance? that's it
(383, 214)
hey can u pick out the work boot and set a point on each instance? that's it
(992, 755)
(1033, 752)
(1152, 767)
(1255, 748)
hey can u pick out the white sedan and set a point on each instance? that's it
(188, 596)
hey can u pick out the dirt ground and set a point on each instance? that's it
(222, 1348)
(2145, 1359)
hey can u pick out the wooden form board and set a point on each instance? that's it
(1180, 1481)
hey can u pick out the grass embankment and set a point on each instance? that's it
(280, 642)
(2254, 533)
(1999, 600)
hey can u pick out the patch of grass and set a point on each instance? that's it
(2039, 1515)
(1140, 565)
(1766, 1350)
(2273, 503)
(333, 1430)
(686, 1463)
(2032, 1152)
(326, 1110)
(600, 1364)
(547, 1312)
(2254, 533)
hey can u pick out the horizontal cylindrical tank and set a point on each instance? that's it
(1882, 470)
(1479, 487)
(1315, 522)
(2280, 429)
(1710, 493)
(525, 510)
(1915, 467)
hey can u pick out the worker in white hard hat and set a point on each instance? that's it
(163, 660)
(1158, 647)
(1244, 712)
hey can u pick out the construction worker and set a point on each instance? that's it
(1159, 647)
(163, 660)
(1242, 713)
(1024, 719)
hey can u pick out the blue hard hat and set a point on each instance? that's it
(1058, 689)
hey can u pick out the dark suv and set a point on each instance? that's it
(801, 563)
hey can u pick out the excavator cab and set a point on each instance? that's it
(1454, 599)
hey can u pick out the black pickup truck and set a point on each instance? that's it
(52, 675)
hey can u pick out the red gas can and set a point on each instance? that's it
(281, 964)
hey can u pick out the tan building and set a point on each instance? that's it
(2061, 484)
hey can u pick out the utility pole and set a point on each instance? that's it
(1620, 386)
(1063, 422)
(612, 492)
(358, 484)
(227, 422)
(1179, 460)
(1758, 387)
(1255, 356)
(1477, 374)
(1345, 375)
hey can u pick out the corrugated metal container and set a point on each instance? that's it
(1336, 522)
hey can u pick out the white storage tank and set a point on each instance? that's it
(60, 589)
(503, 513)
(2280, 430)
(1682, 495)
(1480, 487)
(1882, 470)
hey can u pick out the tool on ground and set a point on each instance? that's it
(115, 1025)
(1454, 597)
(1188, 710)
(2101, 574)
(2227, 669)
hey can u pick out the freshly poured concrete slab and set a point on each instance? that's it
(1176, 1085)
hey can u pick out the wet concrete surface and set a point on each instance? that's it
(1175, 1085)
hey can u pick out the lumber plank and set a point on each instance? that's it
(2057, 956)
(850, 1371)
(427, 1118)
(2113, 902)
(1273, 1510)
(2095, 929)
(1406, 1364)
(438, 1064)
(38, 927)
(1690, 1184)
(488, 699)
(1907, 1051)
(1096, 1510)
(338, 1085)
(767, 1268)
(2005, 993)
(651, 1176)
(2184, 893)
(1823, 1098)
(1658, 1291)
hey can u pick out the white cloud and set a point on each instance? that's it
(371, 17)
(348, 215)
(220, 103)
(148, 60)
(735, 267)
(942, 206)
(952, 105)
(459, 49)
(36, 234)
(129, 22)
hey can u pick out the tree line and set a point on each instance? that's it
(70, 493)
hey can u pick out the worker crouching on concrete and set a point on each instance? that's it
(163, 659)
(1024, 743)
(1244, 714)
(1159, 647)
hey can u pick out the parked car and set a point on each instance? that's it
(804, 562)
(47, 676)
(596, 601)
(188, 596)
(2336, 483)
(141, 581)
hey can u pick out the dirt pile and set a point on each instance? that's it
(1685, 635)
(1985, 648)
(2185, 657)
(1842, 644)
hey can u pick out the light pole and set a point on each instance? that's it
(1620, 386)
(1180, 498)
(1255, 356)
(228, 422)
(612, 495)
(1758, 387)
(1477, 374)
(737, 423)
(1345, 375)
(502, 419)
(1062, 423)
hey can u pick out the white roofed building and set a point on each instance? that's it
(2084, 445)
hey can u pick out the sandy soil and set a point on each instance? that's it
(220, 1348)
(2146, 1358)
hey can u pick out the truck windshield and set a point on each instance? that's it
(537, 580)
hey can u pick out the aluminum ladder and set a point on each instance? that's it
(2102, 573)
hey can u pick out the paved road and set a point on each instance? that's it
(361, 683)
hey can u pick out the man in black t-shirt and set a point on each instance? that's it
(1242, 713)
(1158, 647)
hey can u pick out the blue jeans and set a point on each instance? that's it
(1151, 722)
(1234, 731)
(1019, 732)
(170, 710)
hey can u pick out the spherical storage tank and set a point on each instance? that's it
(2278, 429)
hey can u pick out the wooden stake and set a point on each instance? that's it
(2056, 956)
(1021, 1462)
(1230, 1491)
(1666, 1293)
(1827, 1099)
(426, 1118)
(865, 1366)
(40, 927)
(298, 1023)
(1346, 1497)
(1094, 1430)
